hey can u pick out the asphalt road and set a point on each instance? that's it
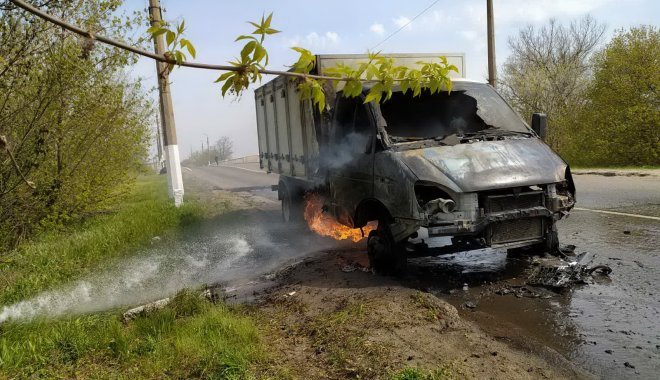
(601, 326)
(240, 177)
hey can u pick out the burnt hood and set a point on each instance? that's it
(487, 165)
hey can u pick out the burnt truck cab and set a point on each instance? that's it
(459, 163)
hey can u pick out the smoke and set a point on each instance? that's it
(228, 254)
(349, 148)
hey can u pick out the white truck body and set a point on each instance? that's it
(285, 124)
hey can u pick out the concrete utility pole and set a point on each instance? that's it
(208, 150)
(174, 178)
(159, 145)
(492, 69)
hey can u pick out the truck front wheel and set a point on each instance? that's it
(385, 255)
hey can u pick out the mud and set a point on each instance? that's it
(330, 317)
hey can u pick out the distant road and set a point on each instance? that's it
(236, 177)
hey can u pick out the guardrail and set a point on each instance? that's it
(243, 160)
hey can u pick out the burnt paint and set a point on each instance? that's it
(487, 165)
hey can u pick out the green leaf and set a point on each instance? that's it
(266, 24)
(169, 37)
(244, 37)
(247, 50)
(188, 45)
(179, 57)
(226, 87)
(158, 31)
(259, 53)
(224, 76)
(372, 96)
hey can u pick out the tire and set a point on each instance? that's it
(291, 206)
(549, 245)
(385, 255)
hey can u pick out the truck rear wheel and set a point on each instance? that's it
(385, 255)
(292, 210)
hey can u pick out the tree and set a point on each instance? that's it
(549, 70)
(73, 121)
(223, 148)
(620, 124)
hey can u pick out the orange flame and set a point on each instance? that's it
(325, 225)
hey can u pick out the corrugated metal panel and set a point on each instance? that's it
(271, 129)
(283, 127)
(261, 128)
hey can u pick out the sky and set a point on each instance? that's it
(341, 26)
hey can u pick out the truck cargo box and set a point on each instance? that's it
(285, 124)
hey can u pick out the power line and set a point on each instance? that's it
(406, 24)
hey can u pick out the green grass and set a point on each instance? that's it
(55, 257)
(605, 167)
(412, 373)
(189, 338)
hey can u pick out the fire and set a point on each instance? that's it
(325, 225)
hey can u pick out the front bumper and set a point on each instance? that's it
(502, 217)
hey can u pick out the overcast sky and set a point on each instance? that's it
(343, 26)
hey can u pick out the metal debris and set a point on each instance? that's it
(561, 273)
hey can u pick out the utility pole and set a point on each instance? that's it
(208, 149)
(492, 69)
(172, 164)
(159, 145)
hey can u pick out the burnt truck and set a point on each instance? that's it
(461, 164)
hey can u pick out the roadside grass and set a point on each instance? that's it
(191, 337)
(413, 373)
(604, 167)
(56, 257)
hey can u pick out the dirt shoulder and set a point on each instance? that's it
(329, 317)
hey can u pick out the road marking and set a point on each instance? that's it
(187, 168)
(250, 170)
(618, 213)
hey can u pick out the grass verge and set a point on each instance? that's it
(189, 338)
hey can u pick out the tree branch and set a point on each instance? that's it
(158, 57)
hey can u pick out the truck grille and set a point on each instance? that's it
(514, 230)
(510, 202)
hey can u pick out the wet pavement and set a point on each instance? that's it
(609, 327)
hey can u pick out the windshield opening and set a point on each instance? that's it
(470, 108)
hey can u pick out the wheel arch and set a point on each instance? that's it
(371, 209)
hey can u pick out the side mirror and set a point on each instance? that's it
(540, 124)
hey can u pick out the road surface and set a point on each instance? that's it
(239, 177)
(610, 327)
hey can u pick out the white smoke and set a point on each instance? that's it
(351, 147)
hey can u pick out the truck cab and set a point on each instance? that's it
(460, 164)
